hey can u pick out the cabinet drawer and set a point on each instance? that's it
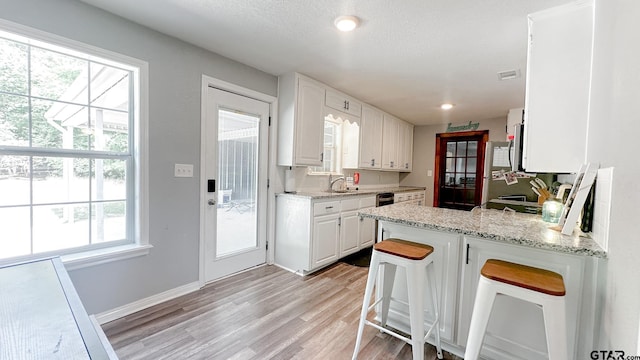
(367, 202)
(326, 207)
(350, 204)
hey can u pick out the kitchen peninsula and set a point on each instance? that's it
(463, 241)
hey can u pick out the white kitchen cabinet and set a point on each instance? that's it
(343, 103)
(409, 197)
(326, 239)
(506, 336)
(313, 233)
(370, 138)
(405, 146)
(367, 229)
(446, 263)
(300, 121)
(390, 142)
(558, 83)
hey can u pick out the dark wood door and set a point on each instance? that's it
(459, 169)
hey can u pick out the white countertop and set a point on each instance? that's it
(515, 228)
(334, 194)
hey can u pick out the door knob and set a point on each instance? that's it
(211, 202)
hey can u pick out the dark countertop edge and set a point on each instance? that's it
(494, 237)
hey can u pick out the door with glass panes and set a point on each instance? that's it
(458, 169)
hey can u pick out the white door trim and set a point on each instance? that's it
(208, 81)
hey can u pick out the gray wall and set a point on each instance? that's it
(424, 151)
(175, 74)
(614, 128)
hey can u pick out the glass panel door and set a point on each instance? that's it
(237, 215)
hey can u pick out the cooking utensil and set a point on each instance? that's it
(542, 183)
(535, 190)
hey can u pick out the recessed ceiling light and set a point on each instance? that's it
(346, 23)
(446, 106)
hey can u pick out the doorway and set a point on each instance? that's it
(235, 157)
(459, 167)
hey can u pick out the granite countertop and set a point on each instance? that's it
(509, 227)
(326, 194)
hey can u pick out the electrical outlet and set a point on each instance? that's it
(183, 170)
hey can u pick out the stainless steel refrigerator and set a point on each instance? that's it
(497, 193)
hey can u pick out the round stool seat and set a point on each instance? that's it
(540, 280)
(405, 249)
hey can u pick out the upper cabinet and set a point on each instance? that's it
(397, 144)
(300, 121)
(405, 146)
(558, 83)
(343, 103)
(370, 138)
(390, 127)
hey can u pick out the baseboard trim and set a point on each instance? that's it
(142, 304)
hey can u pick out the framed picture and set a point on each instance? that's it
(577, 197)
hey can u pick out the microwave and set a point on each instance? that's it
(517, 148)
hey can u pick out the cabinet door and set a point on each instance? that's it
(405, 146)
(371, 138)
(309, 124)
(558, 82)
(390, 143)
(349, 232)
(338, 101)
(326, 235)
(367, 232)
(506, 334)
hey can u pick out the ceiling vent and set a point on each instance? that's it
(508, 74)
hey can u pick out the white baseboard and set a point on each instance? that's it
(142, 304)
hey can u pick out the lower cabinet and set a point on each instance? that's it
(516, 327)
(326, 236)
(311, 234)
(446, 259)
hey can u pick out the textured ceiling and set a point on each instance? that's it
(406, 58)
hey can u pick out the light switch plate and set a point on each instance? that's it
(183, 170)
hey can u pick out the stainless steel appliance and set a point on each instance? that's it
(497, 194)
(383, 199)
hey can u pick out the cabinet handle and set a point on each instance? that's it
(339, 221)
(328, 207)
(390, 163)
(347, 105)
(467, 260)
(373, 162)
(321, 157)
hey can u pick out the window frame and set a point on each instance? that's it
(138, 245)
(337, 149)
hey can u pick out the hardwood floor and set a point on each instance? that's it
(264, 313)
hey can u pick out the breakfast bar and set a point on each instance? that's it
(463, 241)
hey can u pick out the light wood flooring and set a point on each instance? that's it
(264, 313)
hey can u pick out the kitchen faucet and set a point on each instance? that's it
(331, 182)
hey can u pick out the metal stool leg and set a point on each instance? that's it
(485, 296)
(388, 278)
(371, 279)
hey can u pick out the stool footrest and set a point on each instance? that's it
(398, 336)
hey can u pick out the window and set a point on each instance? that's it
(70, 155)
(332, 148)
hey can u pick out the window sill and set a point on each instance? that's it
(103, 256)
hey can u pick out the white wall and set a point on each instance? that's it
(424, 151)
(175, 74)
(614, 129)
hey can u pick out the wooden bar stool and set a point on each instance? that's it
(418, 264)
(542, 287)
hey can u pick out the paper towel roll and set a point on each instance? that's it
(289, 181)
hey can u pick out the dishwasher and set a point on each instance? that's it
(383, 199)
